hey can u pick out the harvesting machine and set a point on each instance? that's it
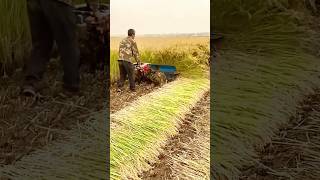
(155, 73)
(94, 36)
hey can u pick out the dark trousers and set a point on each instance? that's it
(50, 21)
(126, 69)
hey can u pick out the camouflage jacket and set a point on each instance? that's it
(128, 50)
(70, 2)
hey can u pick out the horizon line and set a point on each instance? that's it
(162, 34)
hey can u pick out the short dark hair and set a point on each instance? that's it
(131, 32)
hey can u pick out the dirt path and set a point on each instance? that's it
(295, 152)
(119, 100)
(185, 152)
(27, 124)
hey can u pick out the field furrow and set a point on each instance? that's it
(267, 64)
(140, 130)
(122, 99)
(28, 124)
(251, 106)
(85, 146)
(294, 151)
(82, 154)
(187, 154)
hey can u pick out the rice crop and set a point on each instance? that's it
(194, 161)
(267, 64)
(15, 39)
(188, 54)
(137, 134)
(14, 35)
(82, 154)
(161, 41)
(139, 130)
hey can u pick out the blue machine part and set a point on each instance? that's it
(169, 71)
(163, 68)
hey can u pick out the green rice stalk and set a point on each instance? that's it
(14, 34)
(194, 161)
(266, 66)
(81, 155)
(139, 130)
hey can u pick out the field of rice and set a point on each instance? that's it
(73, 144)
(32, 126)
(268, 63)
(144, 128)
(186, 53)
(160, 42)
(15, 40)
(57, 137)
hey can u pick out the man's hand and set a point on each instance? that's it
(90, 20)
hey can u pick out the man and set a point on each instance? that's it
(52, 20)
(128, 51)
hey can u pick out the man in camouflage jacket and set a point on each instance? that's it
(53, 20)
(128, 51)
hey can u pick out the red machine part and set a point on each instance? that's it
(145, 68)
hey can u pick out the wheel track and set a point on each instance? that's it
(294, 152)
(188, 146)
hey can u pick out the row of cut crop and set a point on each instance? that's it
(266, 66)
(139, 130)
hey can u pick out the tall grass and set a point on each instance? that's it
(265, 67)
(15, 40)
(189, 60)
(161, 42)
(14, 34)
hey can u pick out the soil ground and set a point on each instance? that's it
(121, 99)
(180, 145)
(295, 152)
(28, 123)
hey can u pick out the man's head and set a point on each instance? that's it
(131, 33)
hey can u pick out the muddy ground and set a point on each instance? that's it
(179, 145)
(28, 123)
(119, 100)
(295, 152)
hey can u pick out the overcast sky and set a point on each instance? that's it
(159, 16)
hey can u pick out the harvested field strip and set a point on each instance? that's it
(266, 65)
(27, 124)
(81, 155)
(121, 99)
(139, 130)
(251, 101)
(187, 154)
(294, 152)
